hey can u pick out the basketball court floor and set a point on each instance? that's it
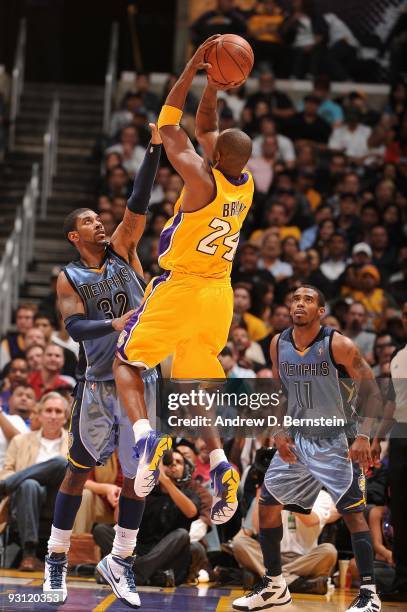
(17, 588)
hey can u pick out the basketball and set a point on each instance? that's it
(231, 59)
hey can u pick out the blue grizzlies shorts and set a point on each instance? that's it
(99, 424)
(320, 463)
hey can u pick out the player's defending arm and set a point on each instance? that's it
(283, 442)
(178, 146)
(347, 354)
(129, 231)
(73, 314)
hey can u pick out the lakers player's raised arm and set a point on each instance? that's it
(347, 354)
(206, 122)
(69, 301)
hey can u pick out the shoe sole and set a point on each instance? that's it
(112, 584)
(231, 479)
(281, 606)
(145, 481)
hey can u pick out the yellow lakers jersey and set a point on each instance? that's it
(204, 242)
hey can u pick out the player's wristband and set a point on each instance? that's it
(81, 328)
(362, 435)
(170, 115)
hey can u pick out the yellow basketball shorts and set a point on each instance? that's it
(181, 315)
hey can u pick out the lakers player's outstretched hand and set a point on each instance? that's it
(284, 444)
(198, 61)
(120, 323)
(155, 134)
(360, 453)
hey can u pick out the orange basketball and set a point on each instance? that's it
(231, 59)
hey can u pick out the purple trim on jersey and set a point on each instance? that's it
(134, 319)
(243, 178)
(167, 234)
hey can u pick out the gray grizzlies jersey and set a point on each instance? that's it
(107, 292)
(315, 385)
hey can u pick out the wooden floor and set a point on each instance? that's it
(17, 588)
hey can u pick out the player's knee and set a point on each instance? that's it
(355, 521)
(74, 480)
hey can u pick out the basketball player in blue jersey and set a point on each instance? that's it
(97, 294)
(309, 359)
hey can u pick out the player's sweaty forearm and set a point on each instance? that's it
(207, 116)
(179, 91)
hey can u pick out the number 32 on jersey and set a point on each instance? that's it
(222, 229)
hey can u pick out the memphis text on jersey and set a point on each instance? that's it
(105, 286)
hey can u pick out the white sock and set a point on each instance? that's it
(124, 542)
(59, 540)
(140, 428)
(369, 587)
(276, 579)
(217, 456)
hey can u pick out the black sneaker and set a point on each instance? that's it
(314, 586)
(366, 601)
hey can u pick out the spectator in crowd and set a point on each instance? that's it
(335, 264)
(262, 166)
(256, 328)
(351, 138)
(163, 551)
(278, 103)
(285, 147)
(125, 116)
(150, 100)
(263, 28)
(229, 360)
(329, 110)
(11, 424)
(34, 336)
(355, 329)
(306, 564)
(307, 127)
(270, 257)
(383, 349)
(70, 348)
(50, 376)
(202, 465)
(247, 271)
(371, 296)
(34, 355)
(129, 149)
(384, 254)
(310, 235)
(12, 345)
(306, 31)
(22, 401)
(17, 375)
(33, 469)
(224, 19)
(248, 351)
(117, 183)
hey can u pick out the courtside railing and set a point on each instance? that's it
(50, 155)
(17, 82)
(18, 252)
(111, 76)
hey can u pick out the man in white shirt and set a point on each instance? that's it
(351, 138)
(33, 470)
(306, 564)
(335, 265)
(285, 147)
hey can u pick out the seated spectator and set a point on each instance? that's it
(262, 166)
(270, 257)
(351, 138)
(328, 177)
(129, 149)
(285, 148)
(163, 551)
(355, 329)
(12, 345)
(49, 377)
(34, 337)
(34, 355)
(235, 99)
(32, 491)
(246, 270)
(371, 296)
(263, 28)
(305, 186)
(307, 126)
(22, 401)
(361, 254)
(329, 110)
(224, 19)
(11, 424)
(306, 31)
(256, 328)
(311, 235)
(228, 358)
(335, 264)
(348, 219)
(306, 564)
(247, 350)
(277, 217)
(17, 375)
(279, 321)
(279, 104)
(383, 349)
(142, 86)
(124, 117)
(384, 253)
(116, 184)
